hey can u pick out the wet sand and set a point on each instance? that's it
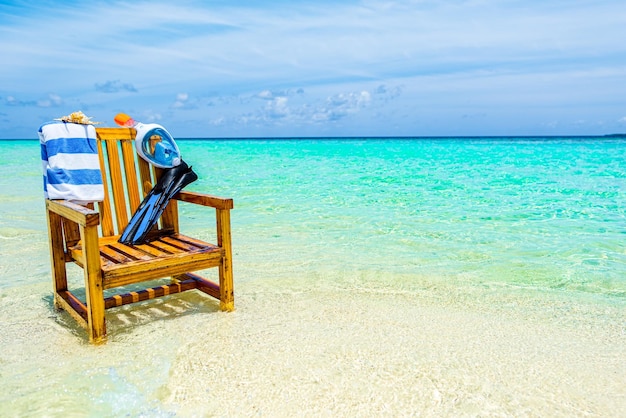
(326, 350)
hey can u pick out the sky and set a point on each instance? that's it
(290, 68)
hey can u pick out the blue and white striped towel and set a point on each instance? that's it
(71, 168)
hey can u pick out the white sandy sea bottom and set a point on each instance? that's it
(434, 287)
(342, 345)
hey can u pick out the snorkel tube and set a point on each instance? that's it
(153, 143)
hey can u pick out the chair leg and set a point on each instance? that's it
(95, 309)
(57, 256)
(227, 295)
(93, 285)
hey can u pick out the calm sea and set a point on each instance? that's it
(493, 268)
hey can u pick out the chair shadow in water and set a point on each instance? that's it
(126, 319)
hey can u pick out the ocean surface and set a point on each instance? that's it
(373, 277)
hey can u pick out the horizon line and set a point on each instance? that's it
(361, 137)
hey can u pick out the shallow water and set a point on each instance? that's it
(443, 277)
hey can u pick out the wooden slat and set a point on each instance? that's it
(195, 242)
(72, 305)
(133, 252)
(104, 206)
(128, 153)
(151, 250)
(169, 217)
(116, 256)
(137, 271)
(182, 245)
(166, 247)
(116, 134)
(145, 177)
(151, 293)
(117, 185)
(202, 284)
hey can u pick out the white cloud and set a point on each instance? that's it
(273, 94)
(265, 94)
(181, 99)
(53, 100)
(341, 105)
(149, 116)
(183, 102)
(115, 86)
(13, 101)
(277, 108)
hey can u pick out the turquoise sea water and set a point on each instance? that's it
(505, 253)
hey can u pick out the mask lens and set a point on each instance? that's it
(159, 147)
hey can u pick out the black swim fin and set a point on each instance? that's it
(147, 214)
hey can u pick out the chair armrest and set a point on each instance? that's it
(205, 200)
(76, 213)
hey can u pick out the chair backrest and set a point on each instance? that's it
(127, 179)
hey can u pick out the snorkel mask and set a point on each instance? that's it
(153, 143)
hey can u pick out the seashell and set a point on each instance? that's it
(77, 117)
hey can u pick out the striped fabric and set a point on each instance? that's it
(71, 168)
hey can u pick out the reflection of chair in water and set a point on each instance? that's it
(74, 237)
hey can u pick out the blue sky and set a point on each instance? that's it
(318, 68)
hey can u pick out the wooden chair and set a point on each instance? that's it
(74, 237)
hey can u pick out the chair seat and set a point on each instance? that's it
(163, 256)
